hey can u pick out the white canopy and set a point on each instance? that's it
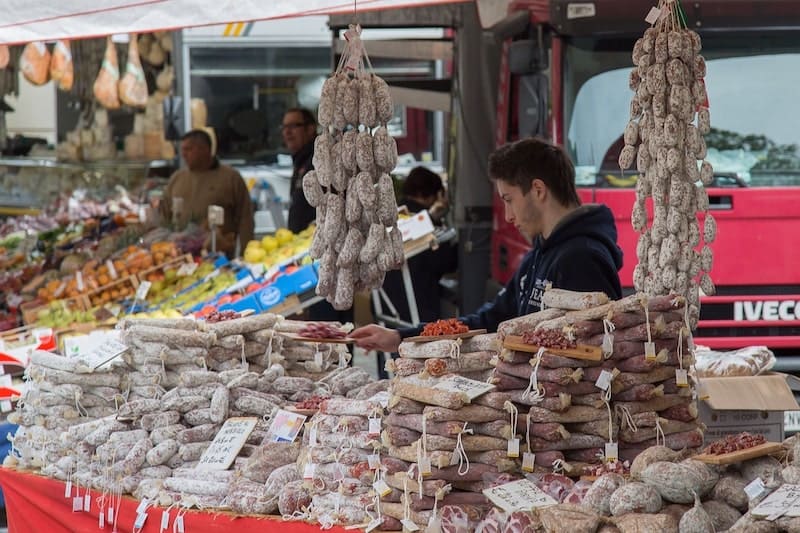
(23, 21)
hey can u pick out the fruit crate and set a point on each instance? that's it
(31, 310)
(172, 264)
(116, 291)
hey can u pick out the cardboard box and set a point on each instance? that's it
(753, 404)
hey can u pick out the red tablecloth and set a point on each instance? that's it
(35, 504)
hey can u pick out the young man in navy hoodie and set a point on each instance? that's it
(574, 246)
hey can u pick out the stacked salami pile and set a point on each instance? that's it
(464, 443)
(350, 186)
(571, 418)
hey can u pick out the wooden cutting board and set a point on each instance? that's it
(343, 340)
(431, 338)
(581, 351)
(740, 455)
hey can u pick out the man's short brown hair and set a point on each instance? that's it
(521, 162)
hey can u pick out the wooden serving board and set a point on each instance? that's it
(740, 455)
(431, 338)
(581, 351)
(306, 412)
(343, 340)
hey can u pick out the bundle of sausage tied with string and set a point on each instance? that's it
(647, 355)
(357, 240)
(441, 450)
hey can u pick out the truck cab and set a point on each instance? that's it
(565, 77)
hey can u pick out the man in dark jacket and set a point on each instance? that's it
(574, 246)
(299, 129)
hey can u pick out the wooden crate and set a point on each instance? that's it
(172, 263)
(30, 310)
(128, 284)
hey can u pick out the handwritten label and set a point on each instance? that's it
(528, 461)
(755, 489)
(227, 443)
(650, 351)
(104, 353)
(112, 271)
(612, 452)
(285, 427)
(513, 448)
(681, 377)
(142, 290)
(779, 503)
(374, 427)
(468, 387)
(520, 495)
(381, 488)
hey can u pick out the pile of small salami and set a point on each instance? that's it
(351, 186)
(666, 144)
(444, 450)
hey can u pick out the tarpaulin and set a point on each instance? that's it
(23, 21)
(35, 504)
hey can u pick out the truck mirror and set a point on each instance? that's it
(527, 57)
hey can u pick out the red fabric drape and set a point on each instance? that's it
(35, 504)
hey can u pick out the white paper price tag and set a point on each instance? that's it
(604, 380)
(187, 269)
(312, 436)
(653, 15)
(68, 489)
(528, 461)
(608, 344)
(110, 515)
(343, 362)
(522, 495)
(141, 518)
(87, 503)
(374, 427)
(612, 452)
(755, 489)
(164, 520)
(469, 387)
(381, 488)
(318, 361)
(142, 506)
(409, 525)
(226, 444)
(454, 459)
(216, 215)
(79, 281)
(425, 466)
(142, 290)
(374, 461)
(77, 504)
(373, 525)
(308, 471)
(513, 448)
(179, 524)
(101, 520)
(681, 377)
(112, 271)
(650, 351)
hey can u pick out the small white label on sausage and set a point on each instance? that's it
(650, 351)
(142, 506)
(425, 466)
(68, 489)
(652, 16)
(110, 515)
(409, 525)
(372, 525)
(318, 361)
(528, 460)
(101, 520)
(164, 520)
(608, 344)
(87, 502)
(381, 488)
(179, 524)
(111, 270)
(141, 518)
(374, 461)
(604, 380)
(343, 361)
(513, 448)
(308, 471)
(681, 377)
(312, 436)
(611, 452)
(454, 459)
(77, 504)
(338, 472)
(374, 427)
(755, 489)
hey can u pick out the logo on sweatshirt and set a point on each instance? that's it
(537, 292)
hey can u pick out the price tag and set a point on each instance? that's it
(454, 459)
(338, 472)
(142, 506)
(608, 344)
(650, 351)
(373, 525)
(381, 488)
(187, 269)
(343, 363)
(434, 523)
(179, 523)
(409, 525)
(318, 358)
(164, 520)
(653, 15)
(425, 466)
(110, 515)
(755, 489)
(68, 489)
(87, 503)
(469, 387)
(528, 460)
(79, 281)
(612, 452)
(101, 520)
(141, 518)
(513, 448)
(216, 215)
(308, 471)
(142, 290)
(77, 504)
(522, 495)
(681, 377)
(111, 270)
(604, 380)
(108, 351)
(60, 290)
(312, 436)
(374, 461)
(374, 427)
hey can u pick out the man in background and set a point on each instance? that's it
(299, 129)
(204, 182)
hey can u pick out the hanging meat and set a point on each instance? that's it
(5, 55)
(105, 86)
(35, 63)
(133, 86)
(61, 69)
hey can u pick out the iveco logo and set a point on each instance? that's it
(766, 310)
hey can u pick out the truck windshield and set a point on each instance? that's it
(752, 84)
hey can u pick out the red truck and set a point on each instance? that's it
(564, 76)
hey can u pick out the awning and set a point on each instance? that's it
(23, 21)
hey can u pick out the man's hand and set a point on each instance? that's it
(374, 337)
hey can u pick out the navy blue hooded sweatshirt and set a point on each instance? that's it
(581, 254)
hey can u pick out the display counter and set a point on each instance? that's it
(35, 504)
